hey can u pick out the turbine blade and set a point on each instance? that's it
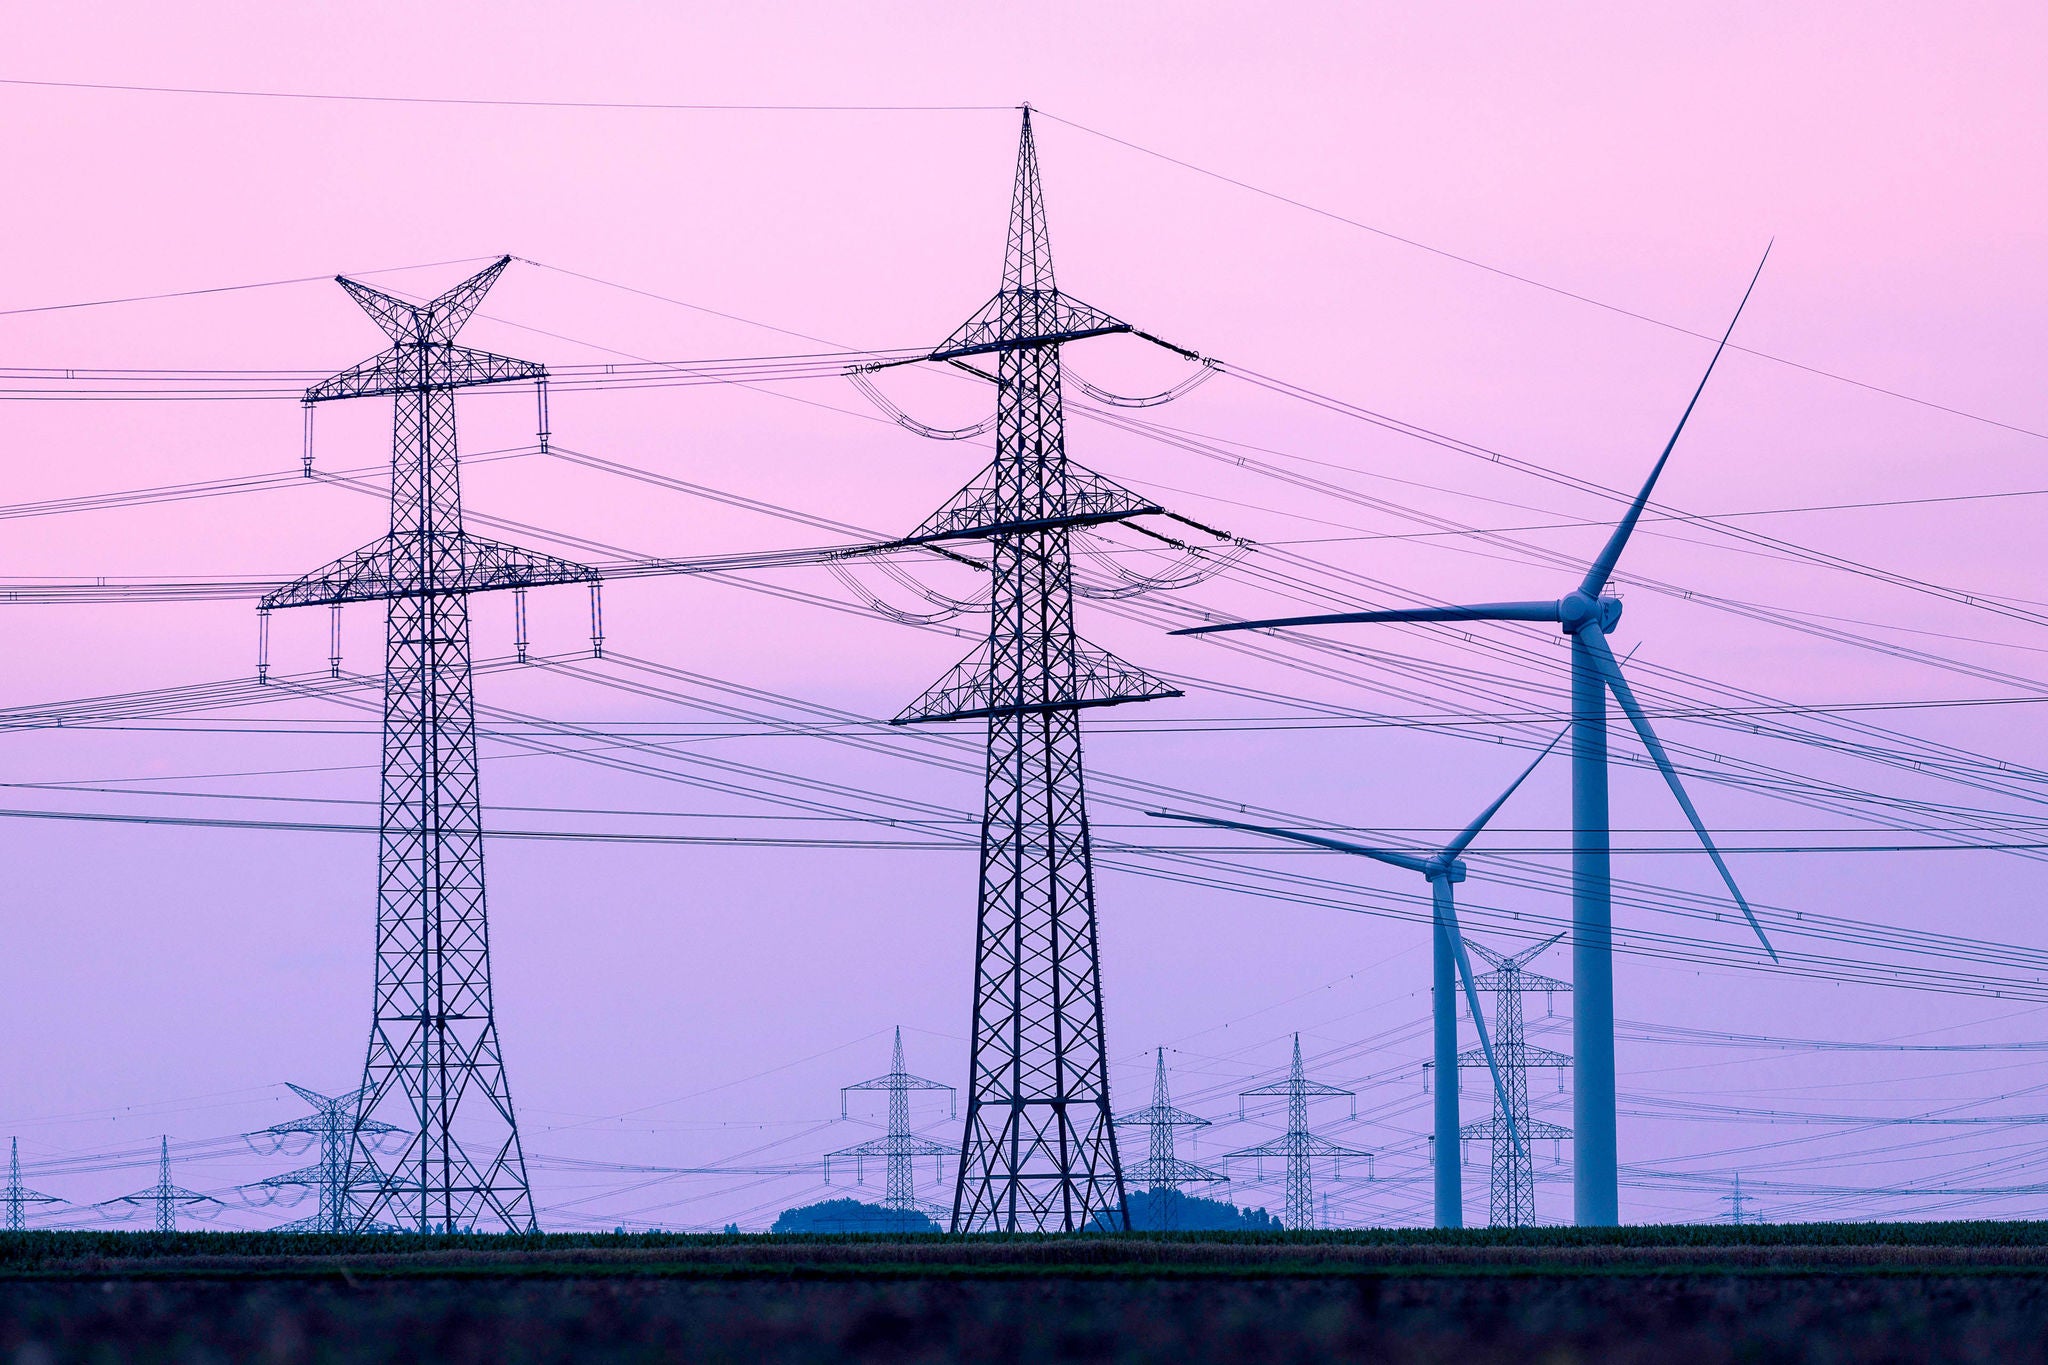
(1604, 658)
(1485, 611)
(1471, 831)
(1602, 567)
(1384, 855)
(1447, 912)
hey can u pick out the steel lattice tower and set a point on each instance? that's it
(164, 1197)
(899, 1147)
(1511, 1194)
(1738, 1204)
(1162, 1172)
(433, 1056)
(1300, 1147)
(1039, 1148)
(334, 1124)
(19, 1198)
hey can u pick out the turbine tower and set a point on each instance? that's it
(433, 1061)
(334, 1125)
(164, 1197)
(1511, 1194)
(1162, 1172)
(1450, 966)
(1300, 1147)
(899, 1147)
(18, 1198)
(1038, 1152)
(1586, 615)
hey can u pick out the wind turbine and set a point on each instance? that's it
(1443, 869)
(1586, 614)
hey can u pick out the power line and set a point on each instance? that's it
(1530, 280)
(219, 288)
(486, 103)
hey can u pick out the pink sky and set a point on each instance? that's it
(677, 1004)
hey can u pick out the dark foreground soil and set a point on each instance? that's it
(765, 1301)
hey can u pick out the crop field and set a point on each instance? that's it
(1967, 1292)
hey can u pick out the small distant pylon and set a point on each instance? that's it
(1738, 1205)
(334, 1124)
(1511, 1193)
(1300, 1147)
(163, 1196)
(899, 1147)
(19, 1198)
(1162, 1172)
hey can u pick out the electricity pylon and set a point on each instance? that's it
(19, 1198)
(899, 1147)
(334, 1125)
(1300, 1147)
(1162, 1172)
(433, 1053)
(1738, 1205)
(164, 1197)
(1511, 1194)
(1038, 1151)
(1587, 614)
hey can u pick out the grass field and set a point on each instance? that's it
(1853, 1293)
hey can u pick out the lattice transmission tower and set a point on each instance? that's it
(1511, 1193)
(1299, 1147)
(1162, 1172)
(18, 1196)
(1739, 1210)
(1038, 1152)
(899, 1147)
(334, 1125)
(434, 1062)
(164, 1198)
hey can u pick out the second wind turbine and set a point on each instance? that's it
(1586, 614)
(1443, 870)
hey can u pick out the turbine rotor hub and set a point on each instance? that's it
(1576, 611)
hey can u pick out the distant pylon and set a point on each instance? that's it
(433, 1055)
(1038, 1150)
(1300, 1147)
(17, 1197)
(334, 1125)
(899, 1147)
(1511, 1194)
(1738, 1202)
(164, 1197)
(1162, 1172)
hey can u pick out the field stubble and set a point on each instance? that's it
(1963, 1292)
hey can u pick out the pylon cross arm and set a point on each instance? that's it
(1156, 1114)
(974, 687)
(898, 1081)
(431, 365)
(1169, 1171)
(984, 508)
(1304, 1087)
(1051, 318)
(389, 568)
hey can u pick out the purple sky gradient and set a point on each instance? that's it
(679, 1004)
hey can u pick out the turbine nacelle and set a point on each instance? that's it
(1578, 610)
(1442, 870)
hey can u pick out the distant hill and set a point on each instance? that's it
(1191, 1213)
(850, 1215)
